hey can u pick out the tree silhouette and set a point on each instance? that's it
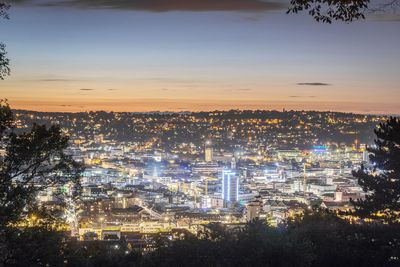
(382, 182)
(31, 162)
(4, 61)
(341, 10)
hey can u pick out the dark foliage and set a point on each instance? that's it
(29, 163)
(34, 246)
(335, 242)
(3, 10)
(6, 117)
(256, 245)
(4, 61)
(316, 239)
(330, 10)
(383, 180)
(100, 254)
(32, 162)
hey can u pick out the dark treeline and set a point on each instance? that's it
(318, 239)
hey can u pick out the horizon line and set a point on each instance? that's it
(210, 111)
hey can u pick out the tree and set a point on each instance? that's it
(33, 246)
(342, 10)
(31, 162)
(337, 242)
(382, 181)
(4, 61)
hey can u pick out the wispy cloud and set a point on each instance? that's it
(56, 80)
(163, 5)
(239, 90)
(86, 89)
(301, 96)
(314, 84)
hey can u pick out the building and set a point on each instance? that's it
(253, 209)
(206, 168)
(208, 152)
(230, 186)
(233, 163)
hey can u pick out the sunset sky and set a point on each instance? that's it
(79, 55)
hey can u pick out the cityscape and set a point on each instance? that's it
(152, 173)
(193, 133)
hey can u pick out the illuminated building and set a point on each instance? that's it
(230, 186)
(233, 163)
(206, 168)
(253, 209)
(208, 153)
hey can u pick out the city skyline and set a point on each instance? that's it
(199, 133)
(77, 56)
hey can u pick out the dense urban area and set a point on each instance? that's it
(152, 174)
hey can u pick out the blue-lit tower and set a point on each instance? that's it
(230, 186)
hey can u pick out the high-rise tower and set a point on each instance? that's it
(230, 186)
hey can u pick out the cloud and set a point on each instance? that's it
(300, 96)
(238, 90)
(56, 80)
(314, 84)
(86, 89)
(172, 80)
(164, 5)
(112, 89)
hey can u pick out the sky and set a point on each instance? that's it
(136, 55)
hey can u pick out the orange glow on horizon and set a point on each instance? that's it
(179, 105)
